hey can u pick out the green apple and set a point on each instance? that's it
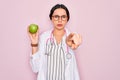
(33, 28)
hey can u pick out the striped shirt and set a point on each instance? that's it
(55, 62)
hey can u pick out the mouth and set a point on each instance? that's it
(59, 25)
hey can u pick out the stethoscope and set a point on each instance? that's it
(51, 39)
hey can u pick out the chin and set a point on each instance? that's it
(60, 28)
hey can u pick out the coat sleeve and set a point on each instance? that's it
(36, 60)
(75, 68)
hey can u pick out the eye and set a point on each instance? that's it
(56, 16)
(64, 16)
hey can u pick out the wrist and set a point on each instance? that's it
(34, 45)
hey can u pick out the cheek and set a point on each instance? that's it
(64, 22)
(54, 23)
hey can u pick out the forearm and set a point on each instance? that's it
(34, 50)
(34, 60)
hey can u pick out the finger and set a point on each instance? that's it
(37, 33)
(34, 35)
(73, 42)
(77, 39)
(76, 46)
(28, 31)
(72, 46)
(69, 43)
(80, 39)
(77, 35)
(70, 36)
(30, 34)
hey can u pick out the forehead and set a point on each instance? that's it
(59, 12)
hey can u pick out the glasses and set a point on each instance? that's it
(57, 17)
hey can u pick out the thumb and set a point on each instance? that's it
(70, 36)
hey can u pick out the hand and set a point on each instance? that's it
(33, 37)
(73, 40)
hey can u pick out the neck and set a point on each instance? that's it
(57, 32)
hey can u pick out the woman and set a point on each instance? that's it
(52, 56)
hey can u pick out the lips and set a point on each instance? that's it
(59, 25)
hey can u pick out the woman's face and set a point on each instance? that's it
(59, 18)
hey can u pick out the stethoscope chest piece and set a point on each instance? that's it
(68, 56)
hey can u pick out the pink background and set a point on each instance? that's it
(98, 21)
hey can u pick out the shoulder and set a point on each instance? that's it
(67, 31)
(45, 34)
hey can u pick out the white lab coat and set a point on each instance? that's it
(38, 60)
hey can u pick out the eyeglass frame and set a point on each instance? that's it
(58, 17)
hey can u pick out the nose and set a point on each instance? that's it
(60, 19)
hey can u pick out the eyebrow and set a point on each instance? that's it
(59, 15)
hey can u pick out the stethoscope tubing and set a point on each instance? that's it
(68, 55)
